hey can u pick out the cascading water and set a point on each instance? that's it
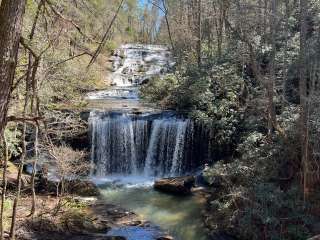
(133, 143)
(148, 144)
(166, 147)
(134, 64)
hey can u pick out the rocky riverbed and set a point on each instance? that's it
(83, 219)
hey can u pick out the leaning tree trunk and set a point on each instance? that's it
(11, 13)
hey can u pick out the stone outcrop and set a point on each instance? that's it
(83, 188)
(175, 185)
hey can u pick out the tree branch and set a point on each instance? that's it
(103, 42)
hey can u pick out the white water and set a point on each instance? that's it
(130, 151)
(135, 63)
(115, 93)
(131, 145)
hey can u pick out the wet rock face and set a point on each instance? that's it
(175, 185)
(134, 64)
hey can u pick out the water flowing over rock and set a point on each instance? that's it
(134, 64)
(149, 144)
(134, 140)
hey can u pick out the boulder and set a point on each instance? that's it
(12, 182)
(83, 188)
(175, 185)
(315, 238)
(12, 174)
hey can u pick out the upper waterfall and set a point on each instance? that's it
(134, 64)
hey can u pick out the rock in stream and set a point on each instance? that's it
(175, 185)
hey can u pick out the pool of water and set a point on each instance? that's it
(179, 216)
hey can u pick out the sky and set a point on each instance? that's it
(142, 2)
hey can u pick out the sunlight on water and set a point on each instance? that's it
(180, 216)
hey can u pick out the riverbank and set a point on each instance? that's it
(81, 213)
(78, 218)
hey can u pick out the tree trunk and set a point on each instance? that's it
(303, 96)
(199, 34)
(168, 24)
(11, 14)
(270, 84)
(22, 159)
(4, 186)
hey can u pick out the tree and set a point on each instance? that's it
(11, 15)
(4, 185)
(303, 96)
(69, 163)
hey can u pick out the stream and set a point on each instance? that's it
(134, 144)
(180, 216)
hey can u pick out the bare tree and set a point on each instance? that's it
(69, 164)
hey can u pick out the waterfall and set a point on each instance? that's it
(150, 145)
(166, 148)
(133, 64)
(113, 143)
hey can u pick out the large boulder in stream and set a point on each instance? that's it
(175, 185)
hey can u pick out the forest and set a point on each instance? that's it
(160, 119)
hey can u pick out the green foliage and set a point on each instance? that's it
(213, 97)
(13, 138)
(272, 211)
(72, 204)
(7, 214)
(13, 141)
(256, 197)
(159, 90)
(111, 46)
